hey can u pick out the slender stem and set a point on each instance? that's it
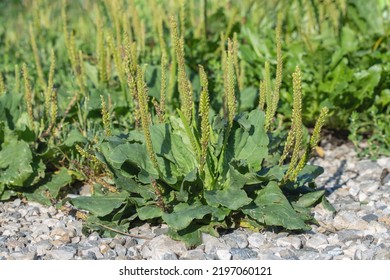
(121, 232)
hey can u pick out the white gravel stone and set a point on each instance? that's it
(317, 242)
(163, 242)
(375, 227)
(120, 250)
(256, 240)
(382, 254)
(349, 220)
(133, 252)
(194, 255)
(60, 254)
(370, 187)
(8, 232)
(16, 203)
(223, 254)
(163, 254)
(288, 241)
(384, 162)
(23, 256)
(212, 244)
(354, 190)
(335, 252)
(146, 252)
(50, 222)
(60, 234)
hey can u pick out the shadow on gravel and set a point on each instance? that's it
(335, 181)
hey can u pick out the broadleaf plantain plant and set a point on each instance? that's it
(197, 172)
(197, 157)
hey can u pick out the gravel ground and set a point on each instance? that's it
(360, 229)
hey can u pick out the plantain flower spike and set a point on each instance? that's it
(314, 139)
(144, 113)
(230, 93)
(106, 117)
(185, 90)
(296, 123)
(204, 107)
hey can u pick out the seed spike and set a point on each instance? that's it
(262, 93)
(268, 96)
(204, 107)
(105, 117)
(54, 107)
(145, 117)
(185, 90)
(231, 97)
(50, 83)
(296, 123)
(163, 87)
(314, 139)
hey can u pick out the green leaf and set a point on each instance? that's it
(184, 156)
(7, 194)
(234, 178)
(367, 80)
(15, 163)
(309, 199)
(96, 224)
(349, 42)
(249, 141)
(327, 205)
(272, 208)
(191, 177)
(304, 213)
(219, 214)
(230, 198)
(52, 188)
(92, 73)
(183, 214)
(274, 173)
(192, 235)
(190, 238)
(129, 185)
(10, 109)
(100, 205)
(74, 137)
(247, 99)
(149, 212)
(136, 155)
(185, 133)
(153, 79)
(162, 145)
(308, 174)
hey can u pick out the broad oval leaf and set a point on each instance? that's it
(183, 214)
(149, 212)
(230, 198)
(308, 199)
(51, 188)
(272, 208)
(15, 163)
(100, 205)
